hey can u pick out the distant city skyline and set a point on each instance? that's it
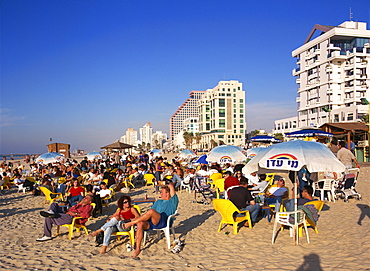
(83, 72)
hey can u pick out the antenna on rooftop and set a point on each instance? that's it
(350, 14)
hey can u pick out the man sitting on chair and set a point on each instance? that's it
(306, 197)
(56, 216)
(276, 194)
(156, 217)
(243, 200)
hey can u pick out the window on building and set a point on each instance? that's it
(241, 121)
(241, 105)
(221, 123)
(221, 102)
(220, 136)
(221, 113)
(208, 127)
(241, 116)
(241, 126)
(241, 110)
(242, 132)
(241, 101)
(207, 117)
(350, 116)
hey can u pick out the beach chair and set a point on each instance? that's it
(270, 177)
(319, 204)
(262, 191)
(288, 219)
(220, 188)
(213, 178)
(167, 231)
(346, 188)
(130, 233)
(127, 181)
(73, 226)
(149, 178)
(105, 201)
(325, 185)
(6, 183)
(227, 209)
(50, 196)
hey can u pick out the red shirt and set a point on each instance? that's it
(126, 215)
(83, 211)
(231, 181)
(75, 191)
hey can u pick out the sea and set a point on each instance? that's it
(11, 156)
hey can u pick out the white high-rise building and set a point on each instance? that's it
(130, 137)
(158, 138)
(189, 109)
(222, 114)
(146, 134)
(333, 74)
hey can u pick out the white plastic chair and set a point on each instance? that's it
(256, 192)
(166, 231)
(185, 186)
(283, 218)
(328, 186)
(21, 188)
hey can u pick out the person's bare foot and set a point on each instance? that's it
(103, 249)
(136, 253)
(95, 233)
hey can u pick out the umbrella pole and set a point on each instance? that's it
(295, 231)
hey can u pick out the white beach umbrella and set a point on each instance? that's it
(292, 156)
(95, 155)
(253, 152)
(49, 157)
(226, 154)
(186, 154)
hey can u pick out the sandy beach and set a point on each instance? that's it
(343, 242)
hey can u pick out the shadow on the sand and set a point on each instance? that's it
(311, 263)
(365, 211)
(14, 211)
(191, 223)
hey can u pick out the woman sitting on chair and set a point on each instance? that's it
(124, 214)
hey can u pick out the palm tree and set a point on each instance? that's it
(213, 143)
(198, 138)
(188, 138)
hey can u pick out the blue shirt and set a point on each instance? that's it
(168, 207)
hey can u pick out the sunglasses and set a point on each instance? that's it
(125, 202)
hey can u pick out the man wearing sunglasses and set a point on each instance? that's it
(155, 217)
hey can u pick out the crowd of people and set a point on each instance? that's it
(85, 182)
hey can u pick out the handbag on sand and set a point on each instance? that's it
(99, 238)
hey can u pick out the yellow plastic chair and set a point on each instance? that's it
(220, 187)
(93, 205)
(227, 209)
(270, 177)
(213, 178)
(149, 178)
(73, 226)
(319, 204)
(5, 184)
(105, 201)
(127, 181)
(31, 179)
(48, 194)
(130, 233)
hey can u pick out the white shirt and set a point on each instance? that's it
(252, 179)
(104, 193)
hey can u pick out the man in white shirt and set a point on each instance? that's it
(252, 178)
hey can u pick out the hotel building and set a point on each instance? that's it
(189, 109)
(332, 75)
(222, 114)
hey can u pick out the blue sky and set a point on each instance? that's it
(82, 72)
